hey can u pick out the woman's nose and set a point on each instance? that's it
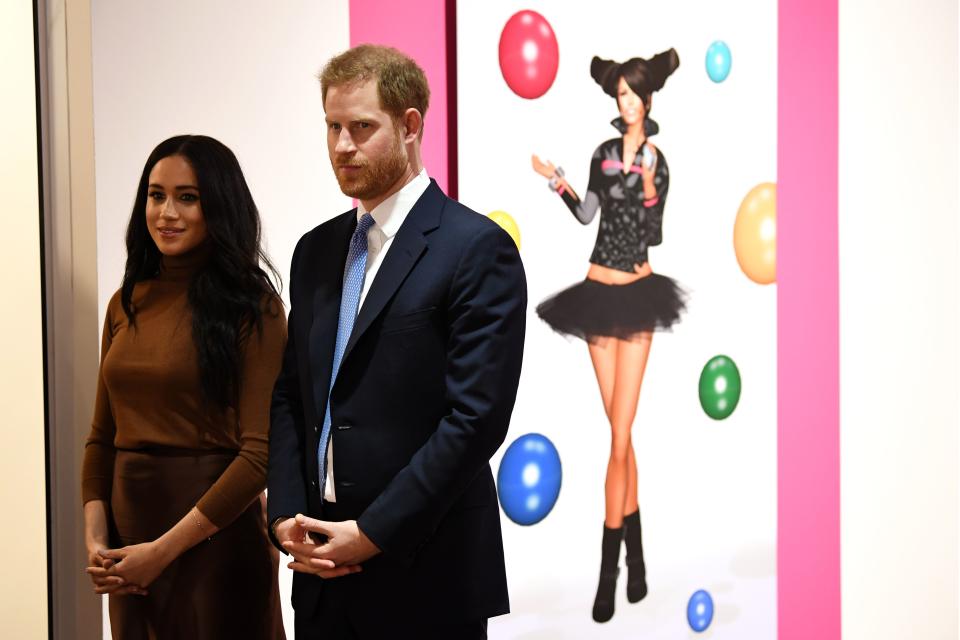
(169, 209)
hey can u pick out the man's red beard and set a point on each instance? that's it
(371, 177)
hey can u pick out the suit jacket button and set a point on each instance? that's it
(315, 484)
(316, 428)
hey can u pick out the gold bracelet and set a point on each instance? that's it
(196, 519)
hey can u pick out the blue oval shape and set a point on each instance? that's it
(719, 61)
(529, 478)
(700, 611)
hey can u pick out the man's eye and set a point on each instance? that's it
(363, 125)
(334, 126)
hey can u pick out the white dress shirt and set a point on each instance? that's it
(387, 217)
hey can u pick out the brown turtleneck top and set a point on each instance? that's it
(149, 397)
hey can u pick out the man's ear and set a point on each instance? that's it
(412, 125)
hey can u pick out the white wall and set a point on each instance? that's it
(244, 73)
(899, 325)
(23, 592)
(246, 76)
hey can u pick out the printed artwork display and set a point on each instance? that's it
(639, 477)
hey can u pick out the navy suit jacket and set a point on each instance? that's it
(422, 401)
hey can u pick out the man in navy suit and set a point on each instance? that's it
(406, 331)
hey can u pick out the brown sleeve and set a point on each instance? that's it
(99, 453)
(246, 477)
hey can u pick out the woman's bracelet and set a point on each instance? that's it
(196, 519)
(554, 182)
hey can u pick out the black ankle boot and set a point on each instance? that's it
(636, 569)
(606, 589)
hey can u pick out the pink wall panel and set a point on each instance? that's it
(808, 545)
(419, 29)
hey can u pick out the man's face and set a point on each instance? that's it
(365, 147)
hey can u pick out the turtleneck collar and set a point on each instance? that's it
(182, 267)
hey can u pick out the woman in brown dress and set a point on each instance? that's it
(175, 465)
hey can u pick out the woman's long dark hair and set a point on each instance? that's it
(230, 293)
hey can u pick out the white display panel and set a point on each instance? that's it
(707, 488)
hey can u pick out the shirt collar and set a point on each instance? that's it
(391, 213)
(650, 126)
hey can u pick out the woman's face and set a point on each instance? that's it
(174, 213)
(631, 105)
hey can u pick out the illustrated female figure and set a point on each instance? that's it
(622, 301)
(176, 461)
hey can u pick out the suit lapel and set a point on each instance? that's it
(404, 252)
(332, 256)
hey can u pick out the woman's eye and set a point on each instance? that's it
(189, 197)
(156, 195)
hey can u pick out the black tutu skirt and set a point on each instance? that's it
(593, 310)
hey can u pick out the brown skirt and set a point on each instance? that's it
(225, 587)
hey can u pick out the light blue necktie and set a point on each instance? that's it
(353, 274)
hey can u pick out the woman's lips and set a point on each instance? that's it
(170, 233)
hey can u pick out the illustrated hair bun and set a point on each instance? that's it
(662, 67)
(643, 76)
(606, 73)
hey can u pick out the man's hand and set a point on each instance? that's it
(293, 537)
(290, 530)
(346, 547)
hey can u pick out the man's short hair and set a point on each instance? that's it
(401, 83)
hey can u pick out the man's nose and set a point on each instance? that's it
(344, 142)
